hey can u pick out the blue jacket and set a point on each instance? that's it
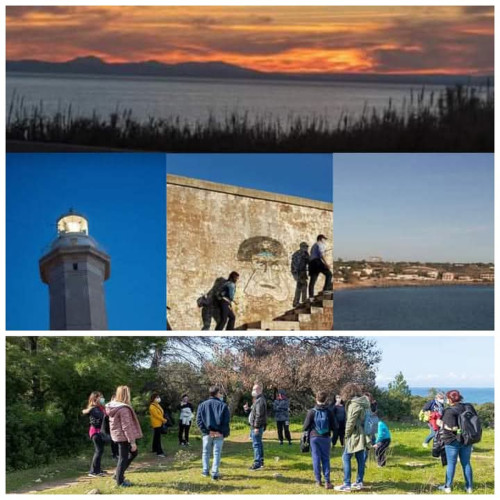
(229, 290)
(213, 415)
(382, 432)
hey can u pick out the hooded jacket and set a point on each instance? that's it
(309, 424)
(355, 437)
(258, 413)
(281, 409)
(123, 423)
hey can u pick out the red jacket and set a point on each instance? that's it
(123, 423)
(434, 416)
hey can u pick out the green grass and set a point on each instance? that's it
(410, 468)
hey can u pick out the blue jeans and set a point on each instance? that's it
(453, 451)
(258, 448)
(346, 460)
(431, 435)
(320, 451)
(209, 444)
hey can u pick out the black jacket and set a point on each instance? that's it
(95, 417)
(309, 421)
(258, 413)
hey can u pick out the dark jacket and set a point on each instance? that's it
(450, 422)
(213, 415)
(281, 409)
(338, 412)
(258, 413)
(309, 421)
(434, 405)
(96, 414)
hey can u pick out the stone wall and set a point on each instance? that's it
(213, 229)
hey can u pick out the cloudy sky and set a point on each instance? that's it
(427, 40)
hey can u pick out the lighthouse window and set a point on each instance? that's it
(75, 266)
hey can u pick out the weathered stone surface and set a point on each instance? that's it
(213, 229)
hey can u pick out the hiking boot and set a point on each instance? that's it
(357, 486)
(256, 466)
(343, 487)
(444, 488)
(329, 486)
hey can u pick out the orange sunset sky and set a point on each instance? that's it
(428, 40)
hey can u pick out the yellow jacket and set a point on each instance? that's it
(156, 415)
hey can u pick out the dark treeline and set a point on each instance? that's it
(459, 119)
(50, 378)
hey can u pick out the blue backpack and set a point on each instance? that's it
(321, 422)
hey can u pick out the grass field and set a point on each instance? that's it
(410, 468)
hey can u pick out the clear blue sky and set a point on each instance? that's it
(427, 207)
(464, 361)
(306, 175)
(123, 197)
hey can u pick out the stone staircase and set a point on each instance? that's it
(312, 315)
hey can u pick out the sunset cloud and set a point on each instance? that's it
(300, 39)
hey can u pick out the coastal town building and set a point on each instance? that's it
(448, 276)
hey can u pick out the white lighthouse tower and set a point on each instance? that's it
(75, 269)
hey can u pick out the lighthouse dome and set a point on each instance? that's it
(73, 230)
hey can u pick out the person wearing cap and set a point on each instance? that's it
(281, 407)
(318, 265)
(300, 263)
(453, 447)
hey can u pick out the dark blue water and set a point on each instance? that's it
(415, 308)
(478, 395)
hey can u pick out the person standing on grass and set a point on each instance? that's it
(460, 430)
(125, 430)
(318, 265)
(300, 263)
(356, 441)
(281, 407)
(435, 405)
(382, 441)
(320, 423)
(157, 417)
(185, 418)
(212, 419)
(226, 300)
(338, 410)
(257, 419)
(97, 413)
(114, 446)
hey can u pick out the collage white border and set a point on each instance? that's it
(188, 333)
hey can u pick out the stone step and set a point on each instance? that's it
(280, 325)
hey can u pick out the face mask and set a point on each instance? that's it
(221, 398)
(254, 394)
(158, 400)
(440, 401)
(102, 401)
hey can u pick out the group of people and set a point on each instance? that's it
(305, 268)
(352, 418)
(453, 429)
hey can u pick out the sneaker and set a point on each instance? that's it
(319, 484)
(256, 466)
(281, 443)
(215, 477)
(444, 488)
(92, 474)
(468, 490)
(126, 483)
(205, 474)
(425, 445)
(343, 487)
(161, 455)
(328, 486)
(357, 486)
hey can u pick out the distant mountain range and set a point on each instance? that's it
(92, 65)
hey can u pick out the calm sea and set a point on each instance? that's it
(415, 308)
(194, 99)
(478, 395)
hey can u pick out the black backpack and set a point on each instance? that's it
(469, 424)
(220, 291)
